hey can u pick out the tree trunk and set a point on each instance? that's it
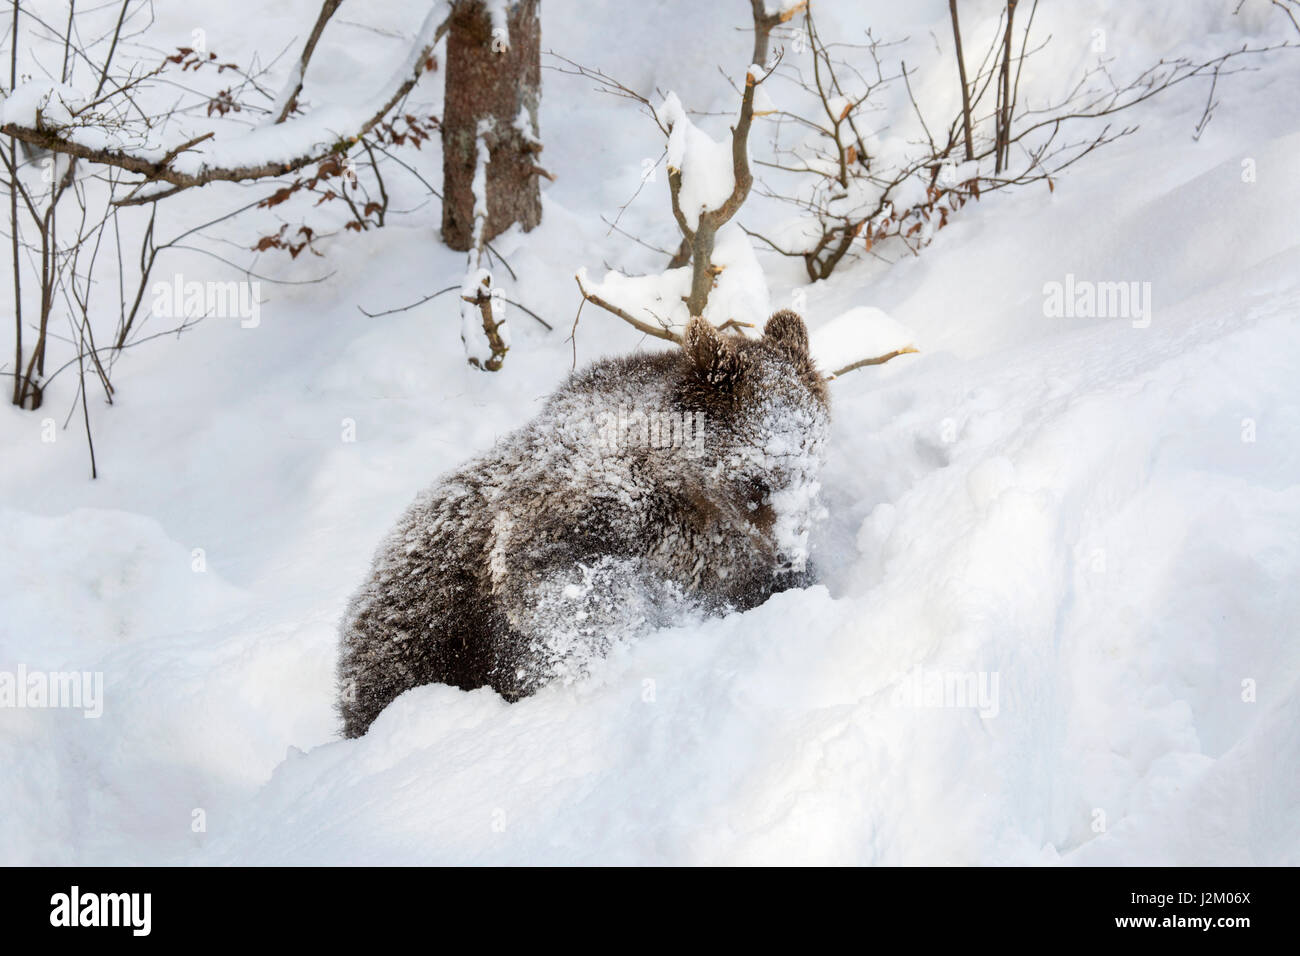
(495, 78)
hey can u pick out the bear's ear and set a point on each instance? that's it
(712, 355)
(787, 330)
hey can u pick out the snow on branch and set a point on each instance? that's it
(715, 274)
(701, 167)
(55, 118)
(658, 304)
(483, 327)
(708, 181)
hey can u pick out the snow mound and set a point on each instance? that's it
(860, 333)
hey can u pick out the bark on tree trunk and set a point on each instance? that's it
(490, 77)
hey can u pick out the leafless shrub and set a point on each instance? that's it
(855, 203)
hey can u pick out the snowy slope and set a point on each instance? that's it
(1102, 518)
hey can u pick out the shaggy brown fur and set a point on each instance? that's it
(585, 526)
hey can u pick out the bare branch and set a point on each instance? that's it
(878, 360)
(287, 101)
(961, 71)
(658, 332)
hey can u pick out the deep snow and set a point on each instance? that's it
(1102, 518)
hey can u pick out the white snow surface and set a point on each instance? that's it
(1098, 521)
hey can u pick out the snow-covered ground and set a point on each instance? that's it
(1094, 522)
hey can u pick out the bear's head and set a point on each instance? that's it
(766, 415)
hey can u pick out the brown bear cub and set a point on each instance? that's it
(649, 488)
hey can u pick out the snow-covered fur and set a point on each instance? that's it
(649, 487)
